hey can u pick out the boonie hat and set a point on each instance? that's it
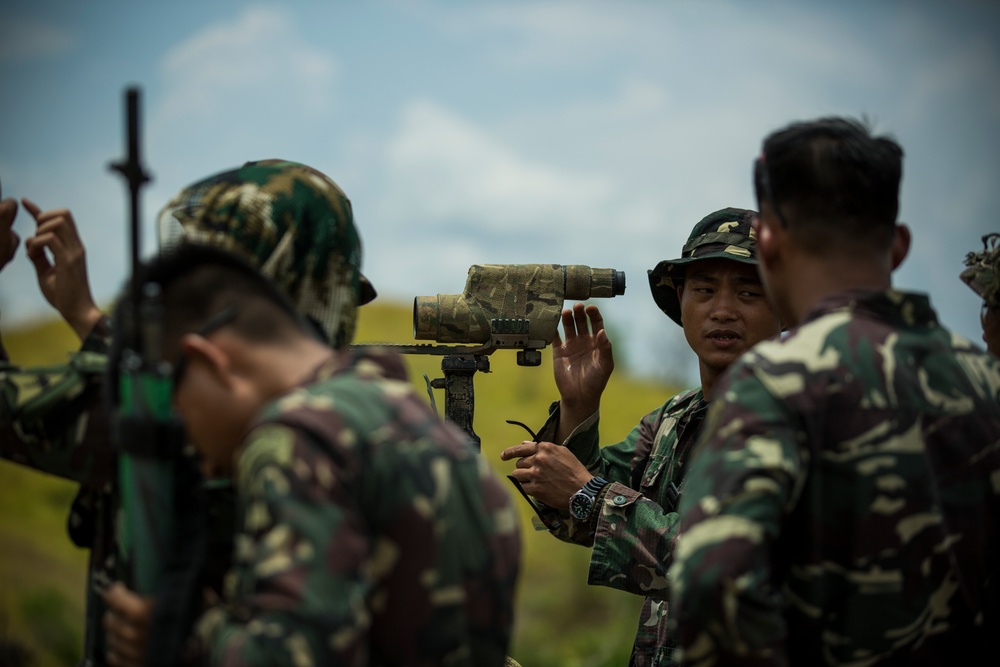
(724, 234)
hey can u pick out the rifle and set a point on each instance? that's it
(504, 306)
(146, 432)
(162, 538)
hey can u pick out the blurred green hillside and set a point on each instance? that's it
(561, 621)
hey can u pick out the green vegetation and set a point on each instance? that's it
(561, 621)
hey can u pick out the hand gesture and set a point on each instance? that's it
(547, 472)
(582, 364)
(8, 238)
(63, 280)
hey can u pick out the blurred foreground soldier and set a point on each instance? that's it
(982, 274)
(842, 500)
(53, 418)
(369, 531)
(621, 499)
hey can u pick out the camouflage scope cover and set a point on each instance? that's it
(725, 234)
(983, 271)
(511, 294)
(293, 222)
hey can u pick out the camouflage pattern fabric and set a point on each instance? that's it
(982, 272)
(508, 291)
(842, 501)
(631, 534)
(293, 222)
(724, 234)
(369, 533)
(53, 420)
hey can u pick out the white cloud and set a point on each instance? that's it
(23, 39)
(257, 61)
(443, 168)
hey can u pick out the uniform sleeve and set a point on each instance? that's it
(632, 535)
(53, 418)
(585, 445)
(743, 476)
(291, 599)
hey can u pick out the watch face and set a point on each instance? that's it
(580, 505)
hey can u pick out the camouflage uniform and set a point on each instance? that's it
(53, 419)
(842, 500)
(369, 533)
(632, 533)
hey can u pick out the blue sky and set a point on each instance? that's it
(501, 132)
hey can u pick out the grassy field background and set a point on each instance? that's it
(561, 622)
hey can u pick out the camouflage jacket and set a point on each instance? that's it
(369, 532)
(631, 534)
(842, 502)
(53, 419)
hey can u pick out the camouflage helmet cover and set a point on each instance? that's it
(982, 271)
(725, 234)
(291, 221)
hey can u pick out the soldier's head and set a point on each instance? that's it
(828, 191)
(982, 274)
(713, 291)
(233, 338)
(290, 221)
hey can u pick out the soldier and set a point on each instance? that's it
(842, 498)
(370, 532)
(621, 499)
(54, 419)
(982, 274)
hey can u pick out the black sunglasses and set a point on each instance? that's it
(226, 316)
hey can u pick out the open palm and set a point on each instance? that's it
(582, 360)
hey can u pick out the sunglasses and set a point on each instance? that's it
(226, 316)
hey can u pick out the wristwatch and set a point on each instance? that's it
(581, 503)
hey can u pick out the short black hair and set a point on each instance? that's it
(832, 181)
(197, 282)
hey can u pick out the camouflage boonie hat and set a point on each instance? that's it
(290, 220)
(983, 272)
(725, 234)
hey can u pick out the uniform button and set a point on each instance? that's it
(620, 500)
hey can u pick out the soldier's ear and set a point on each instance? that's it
(900, 244)
(768, 241)
(208, 356)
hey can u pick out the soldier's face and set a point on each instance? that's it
(214, 406)
(724, 313)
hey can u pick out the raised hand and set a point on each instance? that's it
(582, 364)
(63, 279)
